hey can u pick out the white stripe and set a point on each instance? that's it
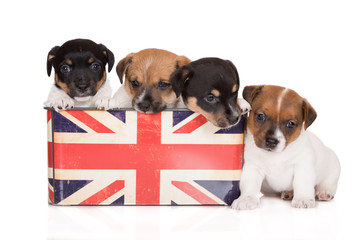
(280, 100)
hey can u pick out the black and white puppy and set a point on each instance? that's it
(80, 76)
(209, 86)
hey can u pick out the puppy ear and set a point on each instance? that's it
(109, 56)
(50, 59)
(179, 78)
(309, 113)
(250, 92)
(181, 61)
(235, 71)
(123, 65)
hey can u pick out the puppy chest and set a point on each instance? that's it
(280, 178)
(130, 158)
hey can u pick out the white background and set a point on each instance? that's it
(312, 47)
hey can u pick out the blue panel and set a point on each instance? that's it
(121, 115)
(228, 191)
(119, 201)
(64, 188)
(62, 124)
(178, 116)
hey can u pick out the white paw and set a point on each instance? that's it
(244, 106)
(245, 203)
(303, 203)
(107, 103)
(60, 103)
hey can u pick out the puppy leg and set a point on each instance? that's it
(122, 99)
(250, 185)
(326, 190)
(103, 98)
(244, 106)
(303, 185)
(58, 99)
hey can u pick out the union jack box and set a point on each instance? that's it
(123, 157)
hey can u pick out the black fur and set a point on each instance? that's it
(80, 77)
(197, 79)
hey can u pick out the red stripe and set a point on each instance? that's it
(194, 193)
(104, 194)
(51, 195)
(90, 121)
(192, 125)
(50, 155)
(48, 115)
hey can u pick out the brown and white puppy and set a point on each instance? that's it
(80, 76)
(281, 156)
(147, 85)
(209, 86)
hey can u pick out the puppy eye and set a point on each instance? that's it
(261, 117)
(163, 85)
(210, 98)
(65, 68)
(95, 66)
(290, 124)
(135, 83)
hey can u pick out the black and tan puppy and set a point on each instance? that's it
(80, 76)
(209, 86)
(147, 85)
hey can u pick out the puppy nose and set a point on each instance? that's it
(82, 87)
(271, 142)
(144, 106)
(233, 119)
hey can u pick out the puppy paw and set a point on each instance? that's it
(303, 203)
(245, 203)
(107, 103)
(244, 106)
(287, 195)
(324, 195)
(60, 103)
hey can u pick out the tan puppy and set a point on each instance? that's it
(281, 156)
(147, 85)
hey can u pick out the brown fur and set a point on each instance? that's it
(62, 85)
(264, 100)
(149, 67)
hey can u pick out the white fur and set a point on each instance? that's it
(102, 99)
(122, 98)
(306, 167)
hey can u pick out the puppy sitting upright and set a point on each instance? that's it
(209, 86)
(281, 157)
(147, 85)
(80, 76)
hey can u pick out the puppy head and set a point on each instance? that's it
(277, 117)
(147, 78)
(80, 67)
(209, 86)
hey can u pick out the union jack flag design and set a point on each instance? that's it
(128, 158)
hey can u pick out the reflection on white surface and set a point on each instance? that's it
(276, 219)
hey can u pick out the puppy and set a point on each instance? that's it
(209, 86)
(80, 76)
(281, 157)
(147, 85)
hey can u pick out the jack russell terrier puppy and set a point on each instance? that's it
(281, 156)
(147, 85)
(209, 86)
(80, 76)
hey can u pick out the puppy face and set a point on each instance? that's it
(80, 67)
(277, 116)
(209, 86)
(147, 78)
